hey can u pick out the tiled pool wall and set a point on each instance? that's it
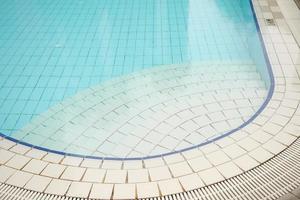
(59, 58)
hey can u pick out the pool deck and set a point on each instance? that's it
(259, 161)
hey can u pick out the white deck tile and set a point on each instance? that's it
(53, 170)
(234, 151)
(248, 144)
(35, 166)
(261, 136)
(180, 169)
(20, 149)
(210, 176)
(155, 162)
(18, 161)
(35, 153)
(5, 156)
(200, 163)
(38, 183)
(284, 138)
(191, 182)
(6, 144)
(124, 191)
(173, 158)
(73, 173)
(94, 175)
(101, 191)
(229, 169)
(53, 158)
(274, 146)
(217, 158)
(110, 164)
(72, 161)
(147, 190)
(115, 176)
(135, 164)
(5, 173)
(171, 186)
(58, 187)
(246, 162)
(79, 189)
(91, 163)
(138, 176)
(159, 173)
(261, 155)
(19, 179)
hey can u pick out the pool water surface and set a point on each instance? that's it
(128, 78)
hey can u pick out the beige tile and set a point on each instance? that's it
(133, 164)
(53, 170)
(147, 190)
(35, 166)
(159, 173)
(200, 163)
(138, 176)
(53, 158)
(115, 176)
(58, 187)
(217, 158)
(18, 161)
(175, 158)
(72, 161)
(94, 175)
(210, 176)
(170, 186)
(101, 191)
(245, 162)
(191, 182)
(110, 164)
(19, 179)
(180, 169)
(248, 144)
(124, 191)
(5, 173)
(35, 153)
(261, 155)
(79, 189)
(274, 146)
(229, 170)
(5, 156)
(20, 149)
(6, 144)
(91, 163)
(155, 162)
(38, 183)
(73, 173)
(234, 151)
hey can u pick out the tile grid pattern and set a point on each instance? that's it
(270, 133)
(158, 111)
(59, 57)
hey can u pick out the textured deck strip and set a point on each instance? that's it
(270, 180)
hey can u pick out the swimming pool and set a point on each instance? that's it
(128, 78)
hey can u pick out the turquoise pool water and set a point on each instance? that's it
(52, 49)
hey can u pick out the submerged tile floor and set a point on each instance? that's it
(274, 130)
(156, 111)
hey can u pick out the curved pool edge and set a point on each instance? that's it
(247, 122)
